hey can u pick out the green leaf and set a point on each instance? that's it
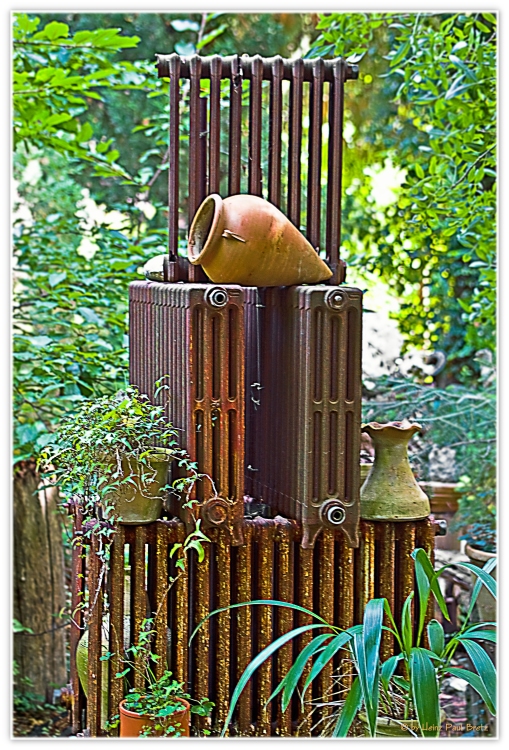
(292, 677)
(420, 555)
(475, 681)
(388, 669)
(271, 602)
(55, 30)
(56, 278)
(484, 668)
(487, 567)
(256, 662)
(406, 624)
(352, 705)
(436, 637)
(324, 658)
(208, 38)
(425, 692)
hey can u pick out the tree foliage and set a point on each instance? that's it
(432, 82)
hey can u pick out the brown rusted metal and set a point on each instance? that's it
(256, 70)
(193, 336)
(94, 616)
(386, 542)
(243, 576)
(116, 609)
(330, 579)
(173, 72)
(77, 601)
(138, 601)
(303, 387)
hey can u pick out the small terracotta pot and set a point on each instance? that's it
(133, 724)
(244, 239)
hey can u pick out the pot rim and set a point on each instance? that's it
(196, 251)
(134, 715)
(480, 555)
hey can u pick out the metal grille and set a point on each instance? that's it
(271, 564)
(303, 388)
(192, 335)
(214, 100)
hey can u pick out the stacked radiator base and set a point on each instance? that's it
(332, 579)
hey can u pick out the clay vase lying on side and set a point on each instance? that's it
(246, 240)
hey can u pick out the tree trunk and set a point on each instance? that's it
(39, 583)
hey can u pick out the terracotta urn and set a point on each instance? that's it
(133, 724)
(244, 239)
(391, 492)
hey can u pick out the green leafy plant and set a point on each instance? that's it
(159, 700)
(376, 686)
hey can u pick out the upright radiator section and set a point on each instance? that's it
(332, 579)
(190, 337)
(303, 391)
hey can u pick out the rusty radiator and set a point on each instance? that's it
(303, 391)
(192, 337)
(332, 579)
(258, 126)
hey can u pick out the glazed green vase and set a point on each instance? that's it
(390, 491)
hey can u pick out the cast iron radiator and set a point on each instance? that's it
(332, 579)
(303, 414)
(192, 337)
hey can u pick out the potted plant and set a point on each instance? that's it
(162, 708)
(376, 684)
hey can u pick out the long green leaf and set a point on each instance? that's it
(486, 578)
(478, 635)
(436, 636)
(484, 668)
(292, 677)
(488, 567)
(425, 692)
(333, 647)
(388, 669)
(473, 679)
(406, 623)
(270, 602)
(366, 647)
(256, 662)
(352, 704)
(424, 561)
(423, 589)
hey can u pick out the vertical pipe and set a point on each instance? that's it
(161, 596)
(222, 550)
(367, 566)
(425, 539)
(116, 635)
(305, 595)
(333, 226)
(194, 138)
(406, 538)
(275, 126)
(315, 154)
(386, 539)
(173, 172)
(202, 638)
(138, 598)
(216, 69)
(284, 574)
(244, 619)
(255, 126)
(180, 636)
(77, 598)
(235, 126)
(326, 604)
(295, 142)
(345, 595)
(95, 593)
(265, 537)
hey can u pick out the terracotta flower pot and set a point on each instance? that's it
(133, 724)
(246, 240)
(486, 603)
(136, 504)
(390, 491)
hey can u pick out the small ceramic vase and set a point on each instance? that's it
(246, 240)
(391, 492)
